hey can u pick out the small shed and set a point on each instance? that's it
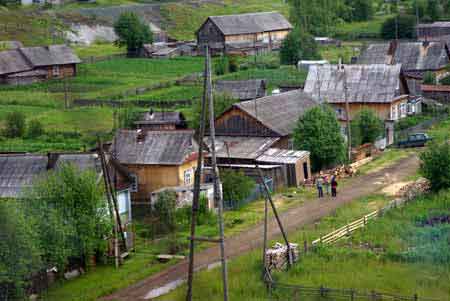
(156, 121)
(305, 65)
(242, 90)
(166, 53)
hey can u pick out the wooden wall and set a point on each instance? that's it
(236, 122)
(64, 71)
(209, 33)
(383, 110)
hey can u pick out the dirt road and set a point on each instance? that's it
(293, 219)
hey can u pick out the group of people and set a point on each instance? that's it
(323, 182)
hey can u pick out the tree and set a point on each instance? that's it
(366, 127)
(35, 129)
(132, 32)
(236, 186)
(362, 10)
(429, 78)
(222, 102)
(318, 131)
(164, 210)
(435, 165)
(298, 45)
(406, 27)
(19, 250)
(15, 125)
(419, 7)
(433, 9)
(71, 214)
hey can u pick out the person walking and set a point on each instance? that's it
(326, 184)
(319, 185)
(334, 185)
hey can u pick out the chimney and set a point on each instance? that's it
(52, 159)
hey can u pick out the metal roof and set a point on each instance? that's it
(153, 147)
(50, 55)
(282, 156)
(279, 112)
(365, 83)
(151, 117)
(241, 147)
(250, 23)
(421, 55)
(242, 89)
(12, 61)
(375, 54)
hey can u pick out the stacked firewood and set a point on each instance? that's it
(412, 190)
(277, 256)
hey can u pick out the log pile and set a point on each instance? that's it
(415, 189)
(277, 256)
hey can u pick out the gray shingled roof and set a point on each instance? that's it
(241, 147)
(366, 83)
(50, 55)
(18, 172)
(12, 61)
(375, 54)
(279, 112)
(250, 23)
(153, 147)
(242, 89)
(417, 56)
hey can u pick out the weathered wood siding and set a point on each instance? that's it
(62, 71)
(209, 33)
(235, 122)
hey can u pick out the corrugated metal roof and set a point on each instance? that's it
(153, 147)
(375, 54)
(242, 89)
(279, 112)
(365, 83)
(241, 147)
(250, 23)
(421, 55)
(282, 156)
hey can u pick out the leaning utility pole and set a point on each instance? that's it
(347, 117)
(207, 95)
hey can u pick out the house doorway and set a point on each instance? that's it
(305, 170)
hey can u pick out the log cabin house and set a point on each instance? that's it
(26, 65)
(378, 87)
(156, 159)
(244, 33)
(259, 133)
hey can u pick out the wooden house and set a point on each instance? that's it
(156, 159)
(26, 65)
(436, 31)
(156, 121)
(242, 90)
(440, 93)
(243, 31)
(377, 87)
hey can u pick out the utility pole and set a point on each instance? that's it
(347, 117)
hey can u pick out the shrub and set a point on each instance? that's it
(318, 131)
(435, 165)
(366, 127)
(429, 78)
(35, 129)
(406, 27)
(132, 32)
(233, 64)
(15, 125)
(236, 186)
(445, 80)
(164, 210)
(222, 66)
(298, 45)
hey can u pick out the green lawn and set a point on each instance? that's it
(441, 131)
(403, 266)
(346, 52)
(98, 50)
(360, 30)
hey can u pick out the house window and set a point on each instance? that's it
(188, 177)
(402, 110)
(55, 70)
(134, 182)
(339, 113)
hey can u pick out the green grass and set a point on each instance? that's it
(344, 266)
(346, 52)
(441, 131)
(98, 50)
(388, 158)
(360, 30)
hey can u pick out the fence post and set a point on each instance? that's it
(348, 229)
(365, 221)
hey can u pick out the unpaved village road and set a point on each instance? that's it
(292, 219)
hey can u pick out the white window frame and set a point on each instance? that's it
(134, 187)
(187, 177)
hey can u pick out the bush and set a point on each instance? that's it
(15, 125)
(445, 81)
(298, 45)
(164, 210)
(132, 32)
(236, 186)
(318, 131)
(429, 78)
(222, 66)
(366, 127)
(406, 27)
(35, 129)
(435, 165)
(233, 65)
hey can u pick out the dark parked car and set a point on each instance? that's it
(415, 140)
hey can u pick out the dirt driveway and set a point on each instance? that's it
(292, 219)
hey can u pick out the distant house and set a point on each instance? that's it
(377, 87)
(436, 31)
(244, 31)
(156, 121)
(251, 129)
(26, 65)
(156, 159)
(242, 89)
(415, 58)
(440, 93)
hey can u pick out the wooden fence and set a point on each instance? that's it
(169, 104)
(278, 291)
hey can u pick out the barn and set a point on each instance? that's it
(263, 31)
(242, 90)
